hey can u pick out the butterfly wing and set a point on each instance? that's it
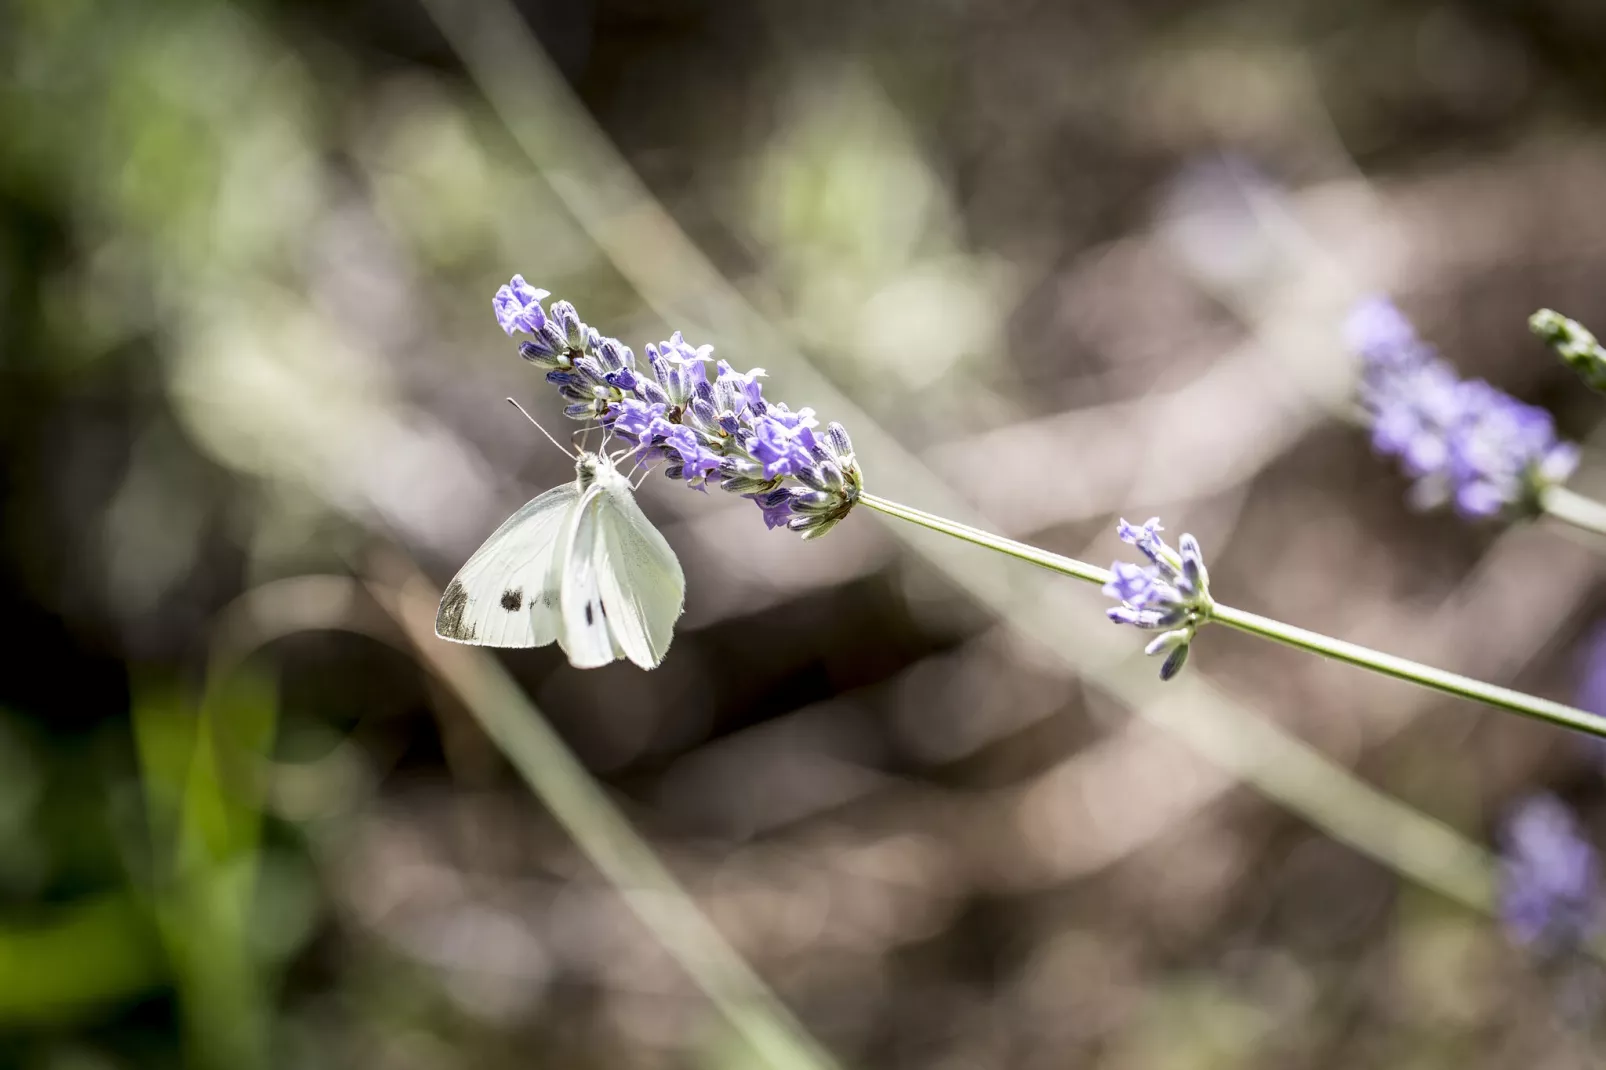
(622, 586)
(500, 597)
(642, 584)
(582, 621)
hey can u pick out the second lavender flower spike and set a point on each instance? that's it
(1170, 595)
(1462, 441)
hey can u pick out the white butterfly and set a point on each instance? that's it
(581, 564)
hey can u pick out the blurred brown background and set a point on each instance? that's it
(1081, 260)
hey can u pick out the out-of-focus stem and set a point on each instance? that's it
(1573, 508)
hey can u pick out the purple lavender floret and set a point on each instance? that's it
(1170, 595)
(1502, 451)
(1463, 441)
(1550, 878)
(1380, 333)
(518, 307)
(699, 427)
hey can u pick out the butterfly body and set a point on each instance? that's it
(580, 565)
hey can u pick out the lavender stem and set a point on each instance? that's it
(1440, 680)
(1573, 508)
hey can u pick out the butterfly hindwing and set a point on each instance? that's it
(622, 588)
(500, 596)
(640, 583)
(582, 622)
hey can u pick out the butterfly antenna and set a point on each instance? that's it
(541, 429)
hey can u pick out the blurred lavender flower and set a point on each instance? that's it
(1170, 595)
(700, 427)
(1591, 694)
(1463, 441)
(1574, 344)
(1550, 878)
(1380, 333)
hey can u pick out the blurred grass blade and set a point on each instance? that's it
(97, 951)
(559, 780)
(206, 826)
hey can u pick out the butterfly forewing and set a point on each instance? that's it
(500, 596)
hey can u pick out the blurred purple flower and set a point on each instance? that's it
(1592, 675)
(1550, 878)
(1463, 441)
(672, 413)
(1170, 595)
(1501, 451)
(1380, 333)
(1591, 693)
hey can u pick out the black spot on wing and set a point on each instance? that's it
(513, 600)
(589, 616)
(449, 622)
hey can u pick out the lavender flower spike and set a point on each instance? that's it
(1462, 441)
(1171, 595)
(1550, 878)
(1574, 344)
(701, 426)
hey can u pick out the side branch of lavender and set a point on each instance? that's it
(1172, 595)
(1582, 352)
(699, 428)
(1462, 440)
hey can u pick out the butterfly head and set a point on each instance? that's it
(590, 467)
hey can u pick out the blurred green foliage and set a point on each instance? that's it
(246, 253)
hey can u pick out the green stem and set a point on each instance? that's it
(1054, 562)
(1388, 664)
(1573, 508)
(1415, 672)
